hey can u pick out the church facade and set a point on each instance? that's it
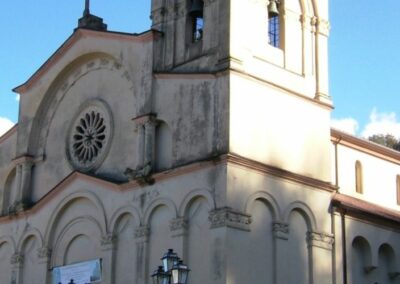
(209, 134)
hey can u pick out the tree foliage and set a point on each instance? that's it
(387, 140)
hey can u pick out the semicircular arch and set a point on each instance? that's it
(116, 216)
(49, 233)
(265, 197)
(156, 203)
(30, 233)
(305, 211)
(75, 70)
(192, 195)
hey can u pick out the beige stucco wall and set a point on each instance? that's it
(378, 175)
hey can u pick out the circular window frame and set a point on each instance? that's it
(91, 130)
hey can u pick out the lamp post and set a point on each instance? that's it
(173, 271)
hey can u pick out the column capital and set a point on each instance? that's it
(280, 230)
(17, 259)
(108, 241)
(142, 234)
(178, 226)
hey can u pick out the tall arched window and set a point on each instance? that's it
(274, 23)
(359, 177)
(398, 189)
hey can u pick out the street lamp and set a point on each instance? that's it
(173, 271)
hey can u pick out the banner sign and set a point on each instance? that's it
(81, 273)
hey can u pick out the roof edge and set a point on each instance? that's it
(366, 146)
(71, 40)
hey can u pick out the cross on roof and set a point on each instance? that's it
(87, 8)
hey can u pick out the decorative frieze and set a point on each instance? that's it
(321, 240)
(280, 230)
(227, 217)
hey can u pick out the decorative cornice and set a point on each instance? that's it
(71, 41)
(320, 239)
(227, 217)
(280, 230)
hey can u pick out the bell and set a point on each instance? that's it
(197, 8)
(273, 8)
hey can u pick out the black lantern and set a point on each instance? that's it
(179, 273)
(169, 259)
(173, 271)
(160, 276)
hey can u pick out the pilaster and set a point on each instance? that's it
(142, 234)
(108, 246)
(280, 231)
(320, 245)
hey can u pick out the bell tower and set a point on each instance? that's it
(194, 34)
(275, 55)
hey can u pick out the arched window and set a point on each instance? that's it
(274, 25)
(196, 20)
(359, 177)
(398, 189)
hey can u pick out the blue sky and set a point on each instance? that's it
(363, 51)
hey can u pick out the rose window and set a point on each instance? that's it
(89, 137)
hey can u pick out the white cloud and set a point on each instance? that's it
(17, 97)
(5, 125)
(382, 123)
(348, 125)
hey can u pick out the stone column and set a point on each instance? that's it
(281, 237)
(107, 247)
(142, 239)
(140, 150)
(225, 223)
(17, 263)
(149, 140)
(321, 46)
(320, 246)
(44, 256)
(26, 181)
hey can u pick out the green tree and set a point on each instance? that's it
(387, 140)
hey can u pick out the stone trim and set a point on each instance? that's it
(227, 217)
(320, 239)
(280, 230)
